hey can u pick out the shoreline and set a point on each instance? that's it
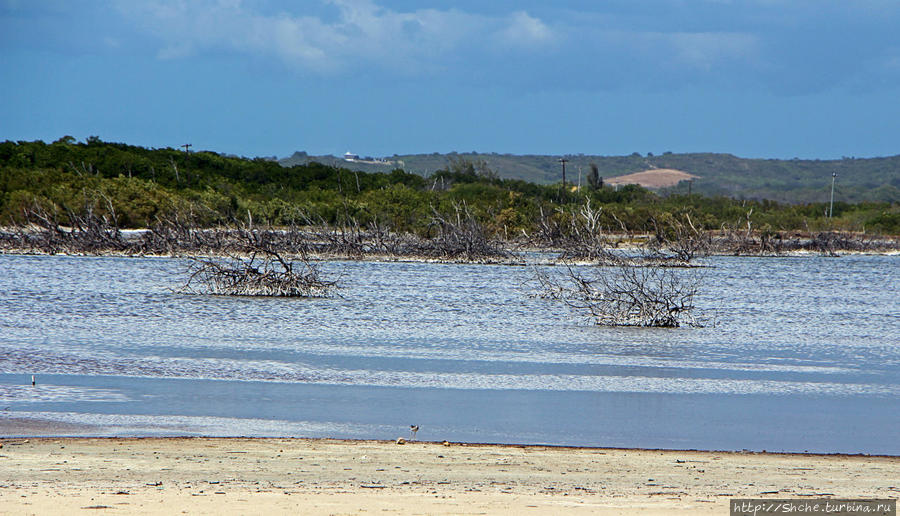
(504, 251)
(328, 476)
(513, 261)
(16, 439)
(24, 428)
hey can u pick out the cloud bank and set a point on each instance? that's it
(785, 47)
(345, 35)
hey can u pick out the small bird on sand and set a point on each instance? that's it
(412, 432)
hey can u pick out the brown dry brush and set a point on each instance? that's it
(95, 230)
(52, 229)
(765, 242)
(582, 237)
(460, 236)
(678, 241)
(548, 231)
(832, 242)
(385, 241)
(648, 286)
(577, 234)
(179, 232)
(587, 239)
(255, 267)
(348, 238)
(627, 295)
(741, 238)
(457, 236)
(263, 272)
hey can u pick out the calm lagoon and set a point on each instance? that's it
(803, 355)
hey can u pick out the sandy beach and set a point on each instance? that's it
(49, 475)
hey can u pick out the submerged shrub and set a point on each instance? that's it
(261, 274)
(628, 295)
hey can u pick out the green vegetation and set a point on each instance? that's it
(136, 187)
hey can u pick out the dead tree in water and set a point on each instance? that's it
(263, 273)
(460, 236)
(679, 242)
(587, 239)
(178, 232)
(258, 269)
(93, 230)
(649, 287)
(626, 295)
(578, 233)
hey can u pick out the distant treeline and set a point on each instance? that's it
(793, 181)
(137, 187)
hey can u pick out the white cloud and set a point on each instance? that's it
(363, 34)
(524, 30)
(760, 42)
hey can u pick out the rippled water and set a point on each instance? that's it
(803, 355)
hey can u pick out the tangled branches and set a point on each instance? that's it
(577, 233)
(627, 295)
(92, 230)
(460, 237)
(263, 273)
(767, 242)
(587, 239)
(680, 241)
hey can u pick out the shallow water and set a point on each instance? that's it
(803, 355)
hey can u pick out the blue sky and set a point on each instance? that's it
(756, 78)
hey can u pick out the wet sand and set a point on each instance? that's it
(49, 475)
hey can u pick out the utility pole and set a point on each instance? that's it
(187, 152)
(831, 204)
(564, 161)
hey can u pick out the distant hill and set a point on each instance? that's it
(792, 181)
(653, 179)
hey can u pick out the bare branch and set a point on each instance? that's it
(626, 295)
